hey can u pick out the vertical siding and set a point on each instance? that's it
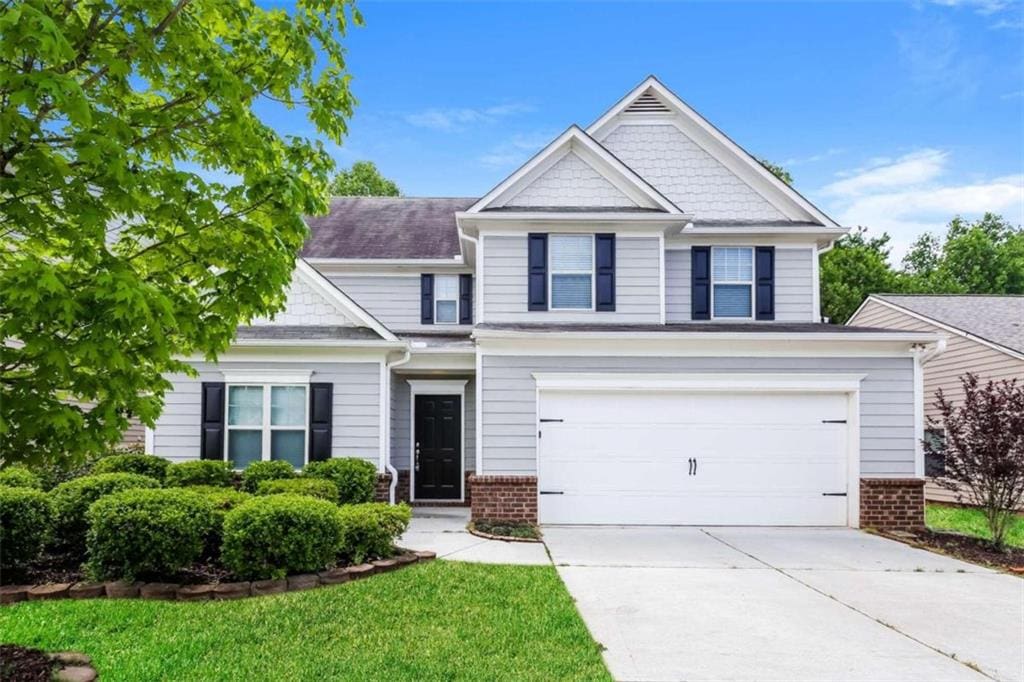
(401, 433)
(509, 402)
(392, 299)
(356, 410)
(637, 283)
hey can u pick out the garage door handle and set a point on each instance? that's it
(551, 492)
(833, 494)
(547, 421)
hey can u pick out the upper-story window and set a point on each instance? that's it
(732, 281)
(266, 422)
(446, 299)
(571, 267)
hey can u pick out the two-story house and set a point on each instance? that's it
(626, 330)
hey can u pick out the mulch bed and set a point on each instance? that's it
(58, 569)
(967, 548)
(509, 532)
(24, 665)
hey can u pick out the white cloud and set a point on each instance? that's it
(516, 150)
(457, 119)
(931, 55)
(985, 7)
(813, 158)
(882, 173)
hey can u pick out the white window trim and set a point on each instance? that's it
(437, 387)
(753, 278)
(592, 272)
(455, 300)
(267, 380)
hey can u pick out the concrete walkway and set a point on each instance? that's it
(787, 604)
(443, 530)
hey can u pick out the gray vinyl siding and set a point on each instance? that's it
(392, 299)
(356, 408)
(637, 283)
(794, 285)
(509, 401)
(400, 428)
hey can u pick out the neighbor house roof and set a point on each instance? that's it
(387, 227)
(997, 319)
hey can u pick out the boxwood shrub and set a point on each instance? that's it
(147, 465)
(147, 533)
(272, 470)
(17, 476)
(222, 501)
(199, 472)
(356, 478)
(71, 501)
(24, 526)
(369, 530)
(272, 536)
(314, 487)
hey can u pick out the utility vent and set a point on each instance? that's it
(647, 103)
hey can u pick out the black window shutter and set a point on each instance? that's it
(605, 246)
(700, 282)
(211, 438)
(321, 396)
(537, 263)
(426, 299)
(764, 273)
(465, 299)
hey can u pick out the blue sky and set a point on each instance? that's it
(891, 115)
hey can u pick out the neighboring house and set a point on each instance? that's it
(986, 337)
(625, 330)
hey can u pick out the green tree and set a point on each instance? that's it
(778, 171)
(857, 265)
(118, 253)
(363, 180)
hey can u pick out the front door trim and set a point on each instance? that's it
(437, 387)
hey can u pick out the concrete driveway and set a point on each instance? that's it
(787, 604)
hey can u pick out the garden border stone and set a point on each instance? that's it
(119, 589)
(87, 590)
(159, 590)
(48, 591)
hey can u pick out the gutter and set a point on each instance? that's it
(925, 354)
(406, 357)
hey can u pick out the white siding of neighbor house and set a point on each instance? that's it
(356, 408)
(794, 285)
(510, 402)
(306, 306)
(401, 433)
(393, 299)
(637, 283)
(571, 181)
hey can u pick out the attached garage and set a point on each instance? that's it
(713, 449)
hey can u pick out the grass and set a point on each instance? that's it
(435, 621)
(968, 521)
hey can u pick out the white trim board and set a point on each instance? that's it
(340, 299)
(437, 387)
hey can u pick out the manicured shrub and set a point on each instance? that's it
(272, 536)
(222, 500)
(273, 470)
(19, 477)
(199, 472)
(71, 501)
(24, 526)
(147, 465)
(314, 487)
(147, 533)
(370, 530)
(356, 478)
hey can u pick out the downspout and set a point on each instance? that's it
(938, 349)
(922, 354)
(406, 356)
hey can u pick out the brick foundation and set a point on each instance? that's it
(504, 498)
(892, 503)
(401, 491)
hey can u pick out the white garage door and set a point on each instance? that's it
(621, 457)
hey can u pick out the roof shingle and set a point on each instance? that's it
(999, 319)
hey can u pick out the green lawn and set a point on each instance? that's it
(441, 620)
(970, 522)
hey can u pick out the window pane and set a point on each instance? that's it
(732, 300)
(571, 252)
(244, 446)
(245, 405)
(570, 291)
(733, 264)
(446, 287)
(289, 446)
(446, 312)
(288, 405)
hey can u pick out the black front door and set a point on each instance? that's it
(437, 447)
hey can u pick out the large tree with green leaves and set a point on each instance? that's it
(857, 265)
(145, 208)
(363, 180)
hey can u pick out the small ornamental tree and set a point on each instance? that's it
(983, 448)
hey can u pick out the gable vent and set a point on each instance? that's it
(647, 103)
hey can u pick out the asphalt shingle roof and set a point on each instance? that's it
(999, 319)
(306, 332)
(691, 327)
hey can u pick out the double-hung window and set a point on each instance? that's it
(446, 299)
(732, 281)
(267, 421)
(571, 264)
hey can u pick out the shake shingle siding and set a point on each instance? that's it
(509, 402)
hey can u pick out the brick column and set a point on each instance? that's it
(504, 498)
(892, 503)
(401, 491)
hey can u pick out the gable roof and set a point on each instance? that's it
(998, 320)
(387, 227)
(651, 99)
(341, 300)
(605, 165)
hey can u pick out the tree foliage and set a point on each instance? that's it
(145, 209)
(778, 171)
(983, 448)
(856, 266)
(363, 180)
